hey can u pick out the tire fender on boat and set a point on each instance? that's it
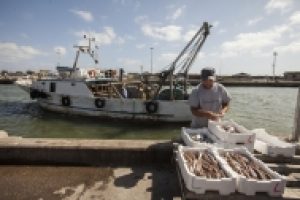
(34, 93)
(43, 95)
(66, 101)
(100, 103)
(151, 107)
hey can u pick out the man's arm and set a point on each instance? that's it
(202, 113)
(225, 107)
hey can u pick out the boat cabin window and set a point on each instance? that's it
(52, 87)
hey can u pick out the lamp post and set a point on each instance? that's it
(274, 63)
(151, 59)
(59, 57)
(141, 69)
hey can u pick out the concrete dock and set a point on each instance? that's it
(106, 169)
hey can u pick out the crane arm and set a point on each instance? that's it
(191, 51)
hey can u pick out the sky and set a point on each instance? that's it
(40, 34)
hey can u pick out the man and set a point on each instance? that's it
(124, 91)
(209, 101)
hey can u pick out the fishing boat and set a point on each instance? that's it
(24, 83)
(106, 93)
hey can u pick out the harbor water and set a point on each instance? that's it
(253, 107)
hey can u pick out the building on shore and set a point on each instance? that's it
(292, 75)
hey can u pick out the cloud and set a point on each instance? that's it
(254, 42)
(137, 5)
(106, 37)
(254, 21)
(129, 62)
(295, 18)
(140, 46)
(167, 33)
(140, 19)
(293, 47)
(12, 53)
(24, 35)
(216, 24)
(60, 50)
(189, 34)
(167, 57)
(129, 37)
(177, 13)
(85, 15)
(122, 2)
(221, 31)
(120, 40)
(278, 5)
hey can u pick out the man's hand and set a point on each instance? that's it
(222, 113)
(208, 114)
(215, 116)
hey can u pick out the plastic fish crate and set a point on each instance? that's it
(271, 145)
(274, 187)
(245, 137)
(188, 133)
(200, 185)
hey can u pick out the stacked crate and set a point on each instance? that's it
(235, 135)
(241, 173)
(198, 182)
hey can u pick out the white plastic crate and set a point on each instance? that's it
(200, 185)
(274, 186)
(188, 133)
(245, 137)
(225, 145)
(271, 145)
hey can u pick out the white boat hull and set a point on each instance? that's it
(74, 97)
(134, 109)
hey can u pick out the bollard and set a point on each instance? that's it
(296, 131)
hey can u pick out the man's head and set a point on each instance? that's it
(208, 77)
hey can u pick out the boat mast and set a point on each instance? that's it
(85, 49)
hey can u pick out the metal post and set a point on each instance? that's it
(151, 59)
(171, 87)
(274, 64)
(296, 131)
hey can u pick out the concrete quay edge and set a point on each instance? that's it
(16, 150)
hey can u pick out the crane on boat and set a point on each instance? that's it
(86, 49)
(184, 61)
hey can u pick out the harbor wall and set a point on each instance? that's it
(75, 152)
(84, 152)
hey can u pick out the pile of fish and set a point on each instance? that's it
(197, 137)
(203, 164)
(201, 138)
(244, 165)
(230, 129)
